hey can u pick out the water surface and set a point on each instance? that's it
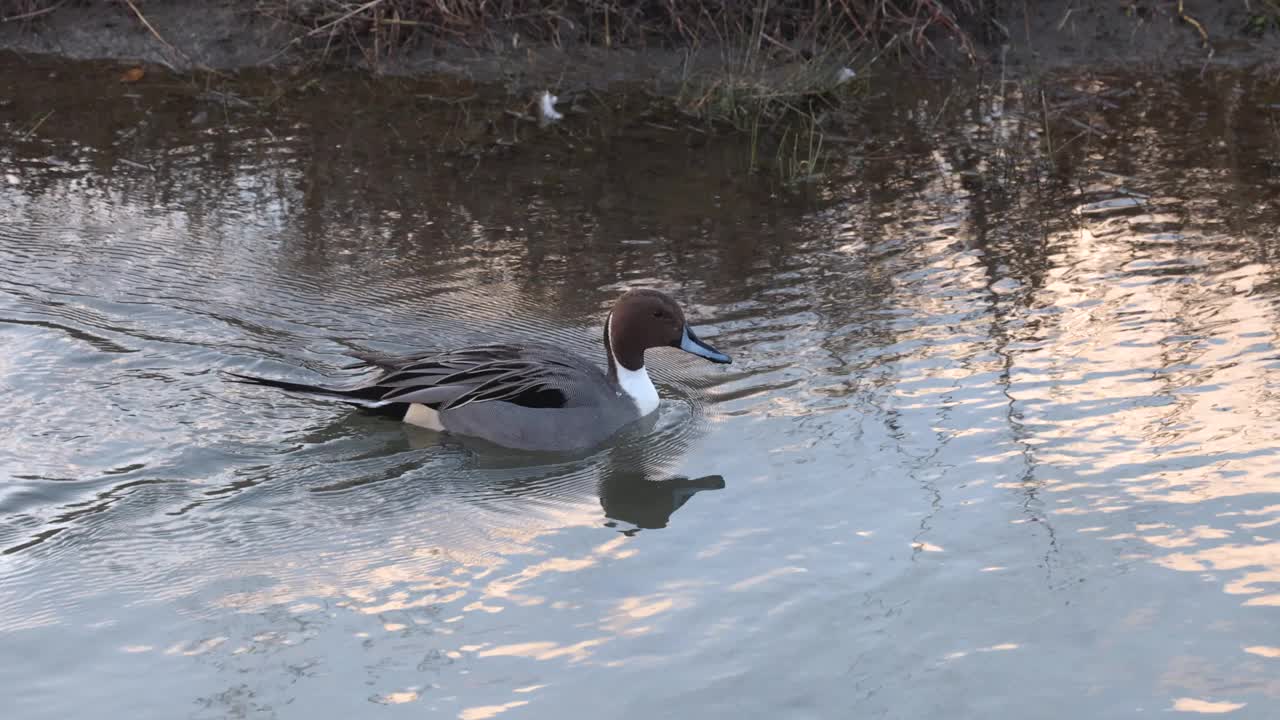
(999, 438)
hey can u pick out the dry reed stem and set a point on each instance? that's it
(754, 26)
(147, 24)
(1204, 34)
(33, 13)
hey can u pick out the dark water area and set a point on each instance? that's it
(999, 439)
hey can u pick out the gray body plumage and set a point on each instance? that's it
(531, 396)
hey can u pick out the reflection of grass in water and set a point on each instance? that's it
(779, 61)
(774, 67)
(783, 106)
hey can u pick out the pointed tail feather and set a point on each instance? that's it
(366, 396)
(382, 361)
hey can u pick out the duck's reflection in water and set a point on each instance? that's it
(633, 480)
(648, 504)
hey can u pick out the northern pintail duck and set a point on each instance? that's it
(533, 395)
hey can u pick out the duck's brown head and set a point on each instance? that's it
(643, 319)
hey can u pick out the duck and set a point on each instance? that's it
(531, 395)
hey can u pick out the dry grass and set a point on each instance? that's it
(756, 32)
(28, 10)
(788, 25)
(377, 28)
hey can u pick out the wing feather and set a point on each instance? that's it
(529, 375)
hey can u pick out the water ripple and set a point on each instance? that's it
(997, 414)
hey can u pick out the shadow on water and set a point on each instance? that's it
(628, 477)
(1001, 415)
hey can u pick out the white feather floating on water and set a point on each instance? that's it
(547, 108)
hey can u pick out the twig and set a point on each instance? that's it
(344, 18)
(140, 166)
(659, 126)
(34, 13)
(1204, 35)
(327, 26)
(398, 21)
(36, 127)
(1048, 137)
(780, 45)
(449, 101)
(1067, 16)
(1084, 126)
(147, 25)
(945, 102)
(227, 98)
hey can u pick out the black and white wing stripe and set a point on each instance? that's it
(529, 376)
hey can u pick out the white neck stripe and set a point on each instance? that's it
(635, 383)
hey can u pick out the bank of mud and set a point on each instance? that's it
(476, 102)
(1021, 37)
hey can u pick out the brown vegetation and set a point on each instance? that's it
(779, 70)
(379, 27)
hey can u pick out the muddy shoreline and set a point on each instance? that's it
(1027, 39)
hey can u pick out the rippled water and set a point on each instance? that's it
(999, 439)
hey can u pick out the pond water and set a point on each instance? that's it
(999, 440)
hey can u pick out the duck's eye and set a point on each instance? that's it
(659, 313)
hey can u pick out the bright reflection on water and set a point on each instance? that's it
(999, 439)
